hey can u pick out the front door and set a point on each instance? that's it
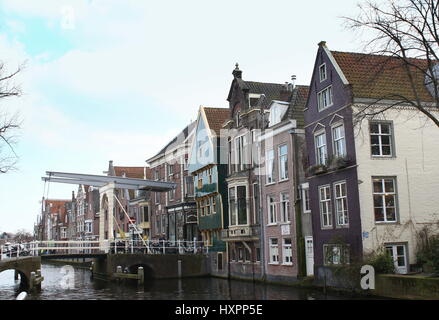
(398, 252)
(309, 251)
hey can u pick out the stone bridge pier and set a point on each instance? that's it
(155, 266)
(24, 266)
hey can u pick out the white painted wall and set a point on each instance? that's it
(416, 167)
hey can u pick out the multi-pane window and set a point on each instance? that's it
(240, 143)
(283, 162)
(287, 252)
(229, 156)
(384, 199)
(341, 204)
(306, 204)
(271, 204)
(339, 141)
(270, 166)
(274, 250)
(336, 254)
(232, 206)
(320, 143)
(324, 98)
(209, 175)
(163, 223)
(285, 207)
(325, 206)
(381, 139)
(170, 169)
(322, 72)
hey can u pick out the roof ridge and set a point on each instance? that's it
(373, 55)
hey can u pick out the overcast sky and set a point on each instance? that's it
(116, 79)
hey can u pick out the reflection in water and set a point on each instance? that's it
(53, 288)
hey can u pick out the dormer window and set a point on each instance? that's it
(322, 72)
(253, 100)
(277, 111)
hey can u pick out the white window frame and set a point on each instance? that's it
(287, 252)
(380, 135)
(325, 98)
(235, 208)
(274, 251)
(319, 159)
(270, 160)
(285, 211)
(306, 204)
(240, 152)
(341, 205)
(383, 197)
(271, 208)
(323, 65)
(325, 204)
(339, 140)
(283, 170)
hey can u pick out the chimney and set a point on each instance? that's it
(236, 72)
(285, 92)
(293, 81)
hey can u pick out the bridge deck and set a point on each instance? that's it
(73, 255)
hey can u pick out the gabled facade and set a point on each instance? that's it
(173, 213)
(209, 182)
(286, 226)
(248, 101)
(364, 176)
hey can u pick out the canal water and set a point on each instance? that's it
(82, 287)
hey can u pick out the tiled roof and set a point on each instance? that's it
(297, 105)
(378, 76)
(177, 140)
(56, 206)
(216, 117)
(270, 90)
(130, 172)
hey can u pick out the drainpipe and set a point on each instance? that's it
(300, 244)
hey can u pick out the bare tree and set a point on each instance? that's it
(9, 122)
(22, 235)
(407, 30)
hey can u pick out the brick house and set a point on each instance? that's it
(286, 226)
(364, 175)
(173, 213)
(247, 102)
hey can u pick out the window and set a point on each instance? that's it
(163, 223)
(200, 181)
(384, 199)
(271, 210)
(341, 204)
(145, 214)
(157, 224)
(232, 206)
(270, 166)
(381, 139)
(171, 194)
(247, 255)
(170, 169)
(322, 72)
(321, 153)
(277, 111)
(339, 142)
(305, 199)
(240, 254)
(209, 175)
(231, 165)
(157, 197)
(240, 148)
(335, 254)
(325, 206)
(258, 254)
(324, 98)
(213, 205)
(283, 162)
(274, 251)
(256, 204)
(287, 252)
(285, 207)
(156, 174)
(241, 192)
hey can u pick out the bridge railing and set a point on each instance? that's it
(117, 246)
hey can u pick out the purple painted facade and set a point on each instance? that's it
(323, 121)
